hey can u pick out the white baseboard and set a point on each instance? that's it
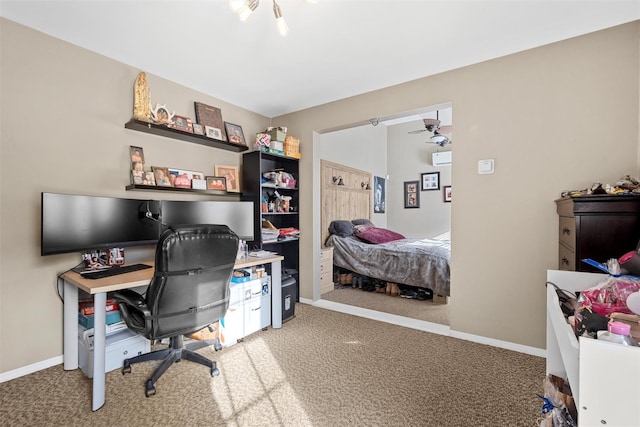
(423, 326)
(30, 369)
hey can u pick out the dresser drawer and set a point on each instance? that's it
(567, 232)
(566, 258)
(326, 254)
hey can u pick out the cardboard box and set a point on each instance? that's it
(440, 299)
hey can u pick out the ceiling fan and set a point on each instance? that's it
(434, 125)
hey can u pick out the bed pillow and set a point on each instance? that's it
(377, 235)
(342, 228)
(362, 221)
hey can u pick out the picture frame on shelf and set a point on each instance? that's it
(137, 155)
(430, 181)
(199, 184)
(137, 177)
(182, 123)
(149, 179)
(212, 132)
(216, 183)
(198, 129)
(447, 193)
(411, 194)
(234, 133)
(232, 178)
(161, 176)
(208, 115)
(181, 178)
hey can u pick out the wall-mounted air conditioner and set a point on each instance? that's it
(441, 158)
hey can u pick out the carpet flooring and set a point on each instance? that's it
(322, 368)
(416, 309)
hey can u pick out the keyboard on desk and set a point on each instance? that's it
(113, 271)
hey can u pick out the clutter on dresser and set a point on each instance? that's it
(628, 184)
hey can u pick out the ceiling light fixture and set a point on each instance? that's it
(283, 28)
(245, 8)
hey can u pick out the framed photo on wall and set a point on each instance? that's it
(430, 181)
(411, 194)
(447, 194)
(379, 195)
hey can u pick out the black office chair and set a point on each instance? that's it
(189, 291)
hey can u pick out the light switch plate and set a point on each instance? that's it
(485, 166)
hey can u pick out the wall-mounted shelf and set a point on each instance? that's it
(162, 130)
(140, 187)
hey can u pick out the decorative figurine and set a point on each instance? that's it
(141, 99)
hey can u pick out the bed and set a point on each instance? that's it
(385, 255)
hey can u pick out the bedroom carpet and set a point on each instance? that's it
(416, 309)
(322, 368)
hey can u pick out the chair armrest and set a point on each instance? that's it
(129, 297)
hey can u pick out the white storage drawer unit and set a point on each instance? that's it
(604, 376)
(120, 345)
(249, 310)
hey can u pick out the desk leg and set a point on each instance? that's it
(99, 347)
(70, 327)
(276, 295)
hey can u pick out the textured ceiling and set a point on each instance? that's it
(335, 49)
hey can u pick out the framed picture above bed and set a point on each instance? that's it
(430, 181)
(411, 194)
(447, 194)
(379, 194)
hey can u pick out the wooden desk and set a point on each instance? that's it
(99, 288)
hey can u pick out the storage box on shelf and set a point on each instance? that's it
(604, 377)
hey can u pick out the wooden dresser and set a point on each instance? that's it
(326, 269)
(597, 227)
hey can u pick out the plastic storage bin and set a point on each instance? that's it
(119, 346)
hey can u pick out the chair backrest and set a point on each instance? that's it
(190, 287)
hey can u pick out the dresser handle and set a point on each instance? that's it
(566, 231)
(564, 261)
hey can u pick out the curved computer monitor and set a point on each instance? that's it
(77, 223)
(238, 216)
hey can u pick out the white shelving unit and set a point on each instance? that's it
(604, 376)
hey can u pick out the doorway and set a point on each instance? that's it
(393, 151)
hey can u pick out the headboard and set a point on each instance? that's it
(349, 201)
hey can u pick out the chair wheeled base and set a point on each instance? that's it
(173, 354)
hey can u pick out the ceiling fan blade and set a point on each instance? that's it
(417, 131)
(445, 129)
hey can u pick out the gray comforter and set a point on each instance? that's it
(423, 263)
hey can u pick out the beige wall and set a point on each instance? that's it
(63, 111)
(553, 118)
